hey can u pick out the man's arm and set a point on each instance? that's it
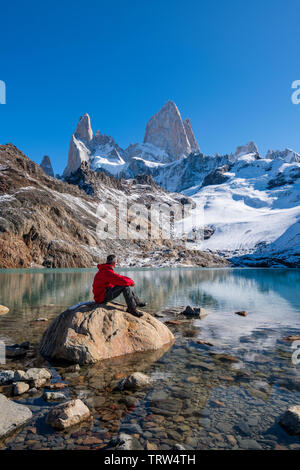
(119, 280)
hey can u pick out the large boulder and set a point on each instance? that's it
(87, 333)
(12, 416)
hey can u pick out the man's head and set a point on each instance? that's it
(111, 259)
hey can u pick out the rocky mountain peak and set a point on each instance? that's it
(167, 131)
(84, 129)
(104, 139)
(245, 149)
(46, 166)
(287, 154)
(79, 145)
(190, 135)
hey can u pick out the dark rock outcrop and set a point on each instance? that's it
(216, 176)
(89, 181)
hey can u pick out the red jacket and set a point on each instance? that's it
(105, 278)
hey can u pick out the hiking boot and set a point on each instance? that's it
(142, 304)
(135, 313)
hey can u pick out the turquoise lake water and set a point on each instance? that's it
(189, 379)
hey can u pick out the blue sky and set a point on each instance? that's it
(228, 65)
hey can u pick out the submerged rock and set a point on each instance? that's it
(67, 414)
(292, 338)
(179, 447)
(135, 380)
(57, 386)
(125, 442)
(12, 416)
(290, 421)
(90, 332)
(204, 342)
(54, 396)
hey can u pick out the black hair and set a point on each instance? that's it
(111, 259)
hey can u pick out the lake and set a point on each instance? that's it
(226, 396)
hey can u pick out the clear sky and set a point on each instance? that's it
(228, 65)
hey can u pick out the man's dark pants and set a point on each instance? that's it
(129, 296)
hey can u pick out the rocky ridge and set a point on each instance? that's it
(48, 222)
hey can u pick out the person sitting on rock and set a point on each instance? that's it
(108, 285)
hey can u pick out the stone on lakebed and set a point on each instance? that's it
(67, 414)
(12, 416)
(290, 420)
(54, 396)
(20, 387)
(134, 381)
(90, 332)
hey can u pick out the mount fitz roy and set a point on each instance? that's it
(249, 202)
(167, 139)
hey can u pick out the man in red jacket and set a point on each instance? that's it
(108, 285)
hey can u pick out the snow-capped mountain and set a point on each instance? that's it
(167, 139)
(288, 155)
(254, 209)
(251, 203)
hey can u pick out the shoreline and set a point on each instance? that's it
(126, 267)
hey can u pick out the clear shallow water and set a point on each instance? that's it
(191, 380)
